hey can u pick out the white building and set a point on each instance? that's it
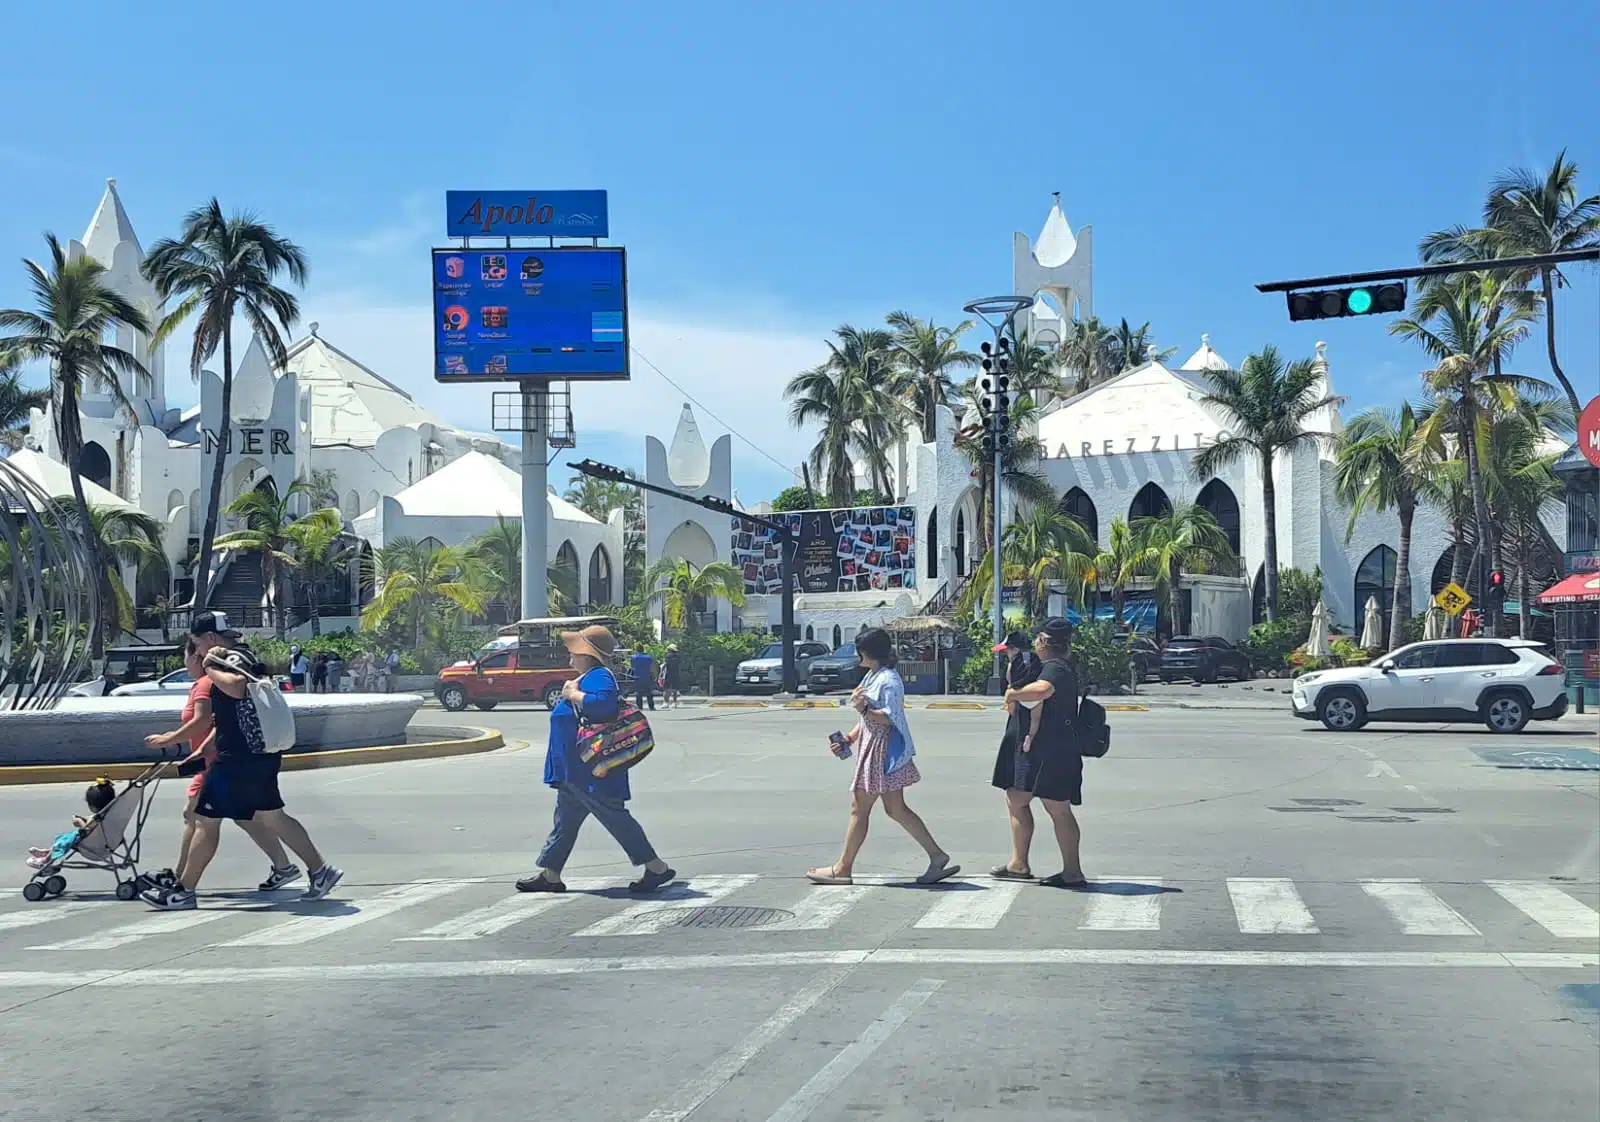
(323, 416)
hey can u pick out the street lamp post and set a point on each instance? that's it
(999, 312)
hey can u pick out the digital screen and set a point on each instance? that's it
(519, 313)
(860, 549)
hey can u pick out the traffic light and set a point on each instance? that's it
(1497, 587)
(1334, 303)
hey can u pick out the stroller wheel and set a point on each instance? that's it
(33, 892)
(55, 885)
(127, 890)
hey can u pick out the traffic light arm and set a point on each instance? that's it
(1489, 265)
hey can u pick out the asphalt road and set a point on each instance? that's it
(1286, 923)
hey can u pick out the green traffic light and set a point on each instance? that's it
(1359, 301)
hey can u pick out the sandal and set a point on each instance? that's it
(1006, 872)
(1059, 880)
(540, 883)
(937, 873)
(829, 875)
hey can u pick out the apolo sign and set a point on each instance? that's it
(526, 214)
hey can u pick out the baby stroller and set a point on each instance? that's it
(110, 841)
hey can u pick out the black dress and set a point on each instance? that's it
(1053, 769)
(1023, 668)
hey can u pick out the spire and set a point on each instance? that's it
(1320, 363)
(1056, 244)
(688, 460)
(1205, 358)
(109, 228)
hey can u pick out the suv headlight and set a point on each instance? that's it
(1306, 679)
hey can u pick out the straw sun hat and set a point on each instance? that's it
(594, 641)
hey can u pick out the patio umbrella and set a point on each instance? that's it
(1434, 627)
(1317, 645)
(1372, 627)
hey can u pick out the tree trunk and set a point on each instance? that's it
(1458, 566)
(1545, 276)
(275, 592)
(1174, 587)
(930, 411)
(1402, 576)
(1480, 503)
(311, 606)
(1524, 602)
(208, 532)
(1269, 501)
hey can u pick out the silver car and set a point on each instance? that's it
(765, 671)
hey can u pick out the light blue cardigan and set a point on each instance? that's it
(885, 691)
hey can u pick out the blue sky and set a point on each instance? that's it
(776, 171)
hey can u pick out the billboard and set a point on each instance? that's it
(857, 549)
(526, 214)
(516, 313)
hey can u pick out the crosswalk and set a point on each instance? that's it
(593, 913)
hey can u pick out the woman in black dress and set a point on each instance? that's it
(1046, 765)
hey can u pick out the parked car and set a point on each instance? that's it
(1145, 655)
(527, 662)
(132, 665)
(178, 682)
(1205, 659)
(1505, 683)
(841, 670)
(765, 671)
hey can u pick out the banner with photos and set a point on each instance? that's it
(861, 549)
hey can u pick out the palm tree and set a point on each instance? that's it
(679, 584)
(599, 497)
(1521, 484)
(1048, 545)
(1088, 351)
(1117, 565)
(320, 552)
(76, 312)
(417, 579)
(16, 401)
(267, 516)
(1266, 406)
(1186, 537)
(927, 352)
(1527, 214)
(498, 551)
(222, 265)
(1469, 324)
(1381, 464)
(1129, 347)
(1018, 476)
(121, 537)
(850, 396)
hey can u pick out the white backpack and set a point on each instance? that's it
(272, 708)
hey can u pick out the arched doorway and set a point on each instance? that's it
(564, 574)
(600, 576)
(1150, 502)
(95, 465)
(1077, 504)
(1218, 498)
(1375, 578)
(1442, 570)
(838, 637)
(1258, 595)
(960, 543)
(691, 542)
(811, 634)
(932, 546)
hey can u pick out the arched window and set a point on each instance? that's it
(373, 499)
(352, 506)
(932, 547)
(194, 514)
(1443, 569)
(1258, 596)
(1217, 497)
(94, 465)
(1150, 502)
(600, 576)
(174, 501)
(838, 637)
(564, 573)
(1077, 504)
(1375, 580)
(961, 542)
(811, 634)
(431, 544)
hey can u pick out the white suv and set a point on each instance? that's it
(1505, 683)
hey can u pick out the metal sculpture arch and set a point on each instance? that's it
(48, 606)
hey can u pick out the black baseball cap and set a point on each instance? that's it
(1057, 630)
(1016, 641)
(212, 623)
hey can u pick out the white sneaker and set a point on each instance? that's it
(277, 878)
(169, 899)
(323, 881)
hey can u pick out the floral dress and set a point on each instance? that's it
(872, 751)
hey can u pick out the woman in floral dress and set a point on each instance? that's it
(884, 764)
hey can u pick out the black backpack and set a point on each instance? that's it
(1091, 732)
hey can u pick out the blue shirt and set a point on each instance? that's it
(561, 763)
(640, 665)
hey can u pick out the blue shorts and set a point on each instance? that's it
(237, 786)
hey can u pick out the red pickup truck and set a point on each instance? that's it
(527, 663)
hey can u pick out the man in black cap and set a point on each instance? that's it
(242, 784)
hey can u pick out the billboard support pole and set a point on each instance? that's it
(787, 547)
(535, 506)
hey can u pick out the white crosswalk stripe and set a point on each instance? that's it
(966, 906)
(821, 907)
(1269, 906)
(480, 923)
(1124, 904)
(49, 913)
(660, 913)
(1549, 907)
(309, 928)
(1417, 909)
(146, 927)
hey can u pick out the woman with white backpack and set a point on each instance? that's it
(242, 784)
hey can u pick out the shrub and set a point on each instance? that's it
(975, 672)
(1269, 644)
(699, 655)
(1347, 652)
(1101, 654)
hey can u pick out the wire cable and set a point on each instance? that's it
(706, 409)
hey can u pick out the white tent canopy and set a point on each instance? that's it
(56, 481)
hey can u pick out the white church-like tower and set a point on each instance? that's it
(1059, 266)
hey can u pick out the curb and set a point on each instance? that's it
(736, 704)
(486, 740)
(958, 705)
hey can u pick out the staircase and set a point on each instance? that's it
(240, 591)
(943, 600)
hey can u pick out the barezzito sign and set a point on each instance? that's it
(1129, 445)
(251, 442)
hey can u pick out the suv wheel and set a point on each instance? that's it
(1505, 712)
(552, 696)
(453, 698)
(1341, 710)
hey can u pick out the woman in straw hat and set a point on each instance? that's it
(594, 695)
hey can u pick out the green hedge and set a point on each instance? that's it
(698, 655)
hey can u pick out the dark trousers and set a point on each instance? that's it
(643, 692)
(573, 806)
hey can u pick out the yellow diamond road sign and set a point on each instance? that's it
(1453, 598)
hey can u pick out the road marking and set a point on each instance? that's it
(821, 907)
(1417, 909)
(500, 915)
(1025, 958)
(47, 913)
(693, 1095)
(1124, 904)
(968, 907)
(659, 914)
(1269, 906)
(309, 928)
(147, 927)
(1549, 907)
(799, 1106)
